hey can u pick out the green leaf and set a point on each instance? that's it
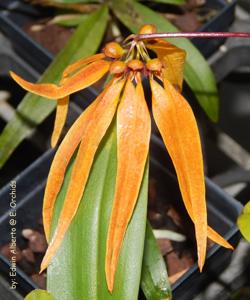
(33, 109)
(197, 72)
(244, 222)
(78, 269)
(71, 20)
(39, 295)
(154, 280)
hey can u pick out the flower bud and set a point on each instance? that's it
(148, 29)
(154, 65)
(113, 50)
(135, 64)
(117, 67)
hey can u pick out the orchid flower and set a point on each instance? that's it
(123, 97)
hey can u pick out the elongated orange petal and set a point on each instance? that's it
(62, 105)
(93, 132)
(61, 114)
(178, 128)
(172, 58)
(82, 79)
(133, 134)
(61, 161)
(80, 63)
(214, 236)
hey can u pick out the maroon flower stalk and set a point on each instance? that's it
(192, 35)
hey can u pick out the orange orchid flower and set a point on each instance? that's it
(123, 96)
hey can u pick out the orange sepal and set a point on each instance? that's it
(173, 60)
(212, 235)
(60, 163)
(61, 115)
(133, 134)
(94, 129)
(215, 237)
(80, 63)
(179, 130)
(80, 80)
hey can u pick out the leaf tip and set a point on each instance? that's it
(214, 117)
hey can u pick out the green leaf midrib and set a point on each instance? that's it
(110, 157)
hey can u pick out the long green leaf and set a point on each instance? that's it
(39, 295)
(197, 71)
(154, 280)
(34, 109)
(78, 269)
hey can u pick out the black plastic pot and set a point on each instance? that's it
(220, 22)
(16, 14)
(222, 210)
(231, 66)
(29, 191)
(30, 149)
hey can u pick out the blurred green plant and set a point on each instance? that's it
(244, 222)
(39, 295)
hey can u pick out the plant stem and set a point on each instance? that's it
(192, 35)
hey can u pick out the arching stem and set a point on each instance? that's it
(140, 37)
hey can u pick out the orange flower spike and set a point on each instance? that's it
(94, 129)
(133, 135)
(178, 128)
(60, 162)
(82, 79)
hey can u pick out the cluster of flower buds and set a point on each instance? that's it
(135, 59)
